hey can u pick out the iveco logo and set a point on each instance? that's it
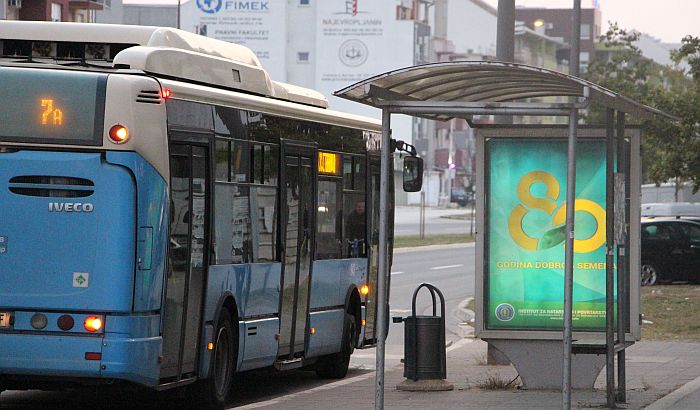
(70, 207)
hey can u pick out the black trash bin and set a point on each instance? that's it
(424, 340)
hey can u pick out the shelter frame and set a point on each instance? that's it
(462, 89)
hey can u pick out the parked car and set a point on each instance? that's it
(670, 250)
(461, 196)
(685, 210)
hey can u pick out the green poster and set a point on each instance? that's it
(526, 216)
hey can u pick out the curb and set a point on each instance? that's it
(466, 316)
(433, 247)
(671, 399)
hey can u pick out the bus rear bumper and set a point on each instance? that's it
(65, 357)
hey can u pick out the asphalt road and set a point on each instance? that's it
(407, 221)
(451, 270)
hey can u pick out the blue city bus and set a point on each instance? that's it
(171, 215)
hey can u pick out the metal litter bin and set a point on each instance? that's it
(424, 340)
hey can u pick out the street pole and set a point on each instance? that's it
(505, 42)
(569, 259)
(382, 282)
(178, 13)
(505, 31)
(574, 68)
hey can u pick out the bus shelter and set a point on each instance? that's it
(549, 287)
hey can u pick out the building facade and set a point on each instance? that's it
(557, 23)
(80, 11)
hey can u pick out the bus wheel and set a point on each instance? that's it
(212, 392)
(335, 366)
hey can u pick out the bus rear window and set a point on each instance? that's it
(51, 106)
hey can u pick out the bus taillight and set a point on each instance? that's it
(93, 323)
(118, 134)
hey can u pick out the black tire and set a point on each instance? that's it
(212, 392)
(335, 366)
(649, 274)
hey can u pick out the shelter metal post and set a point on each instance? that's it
(569, 258)
(623, 261)
(609, 258)
(383, 274)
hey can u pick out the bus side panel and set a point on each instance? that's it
(131, 349)
(333, 277)
(329, 289)
(256, 289)
(260, 345)
(325, 283)
(152, 222)
(328, 329)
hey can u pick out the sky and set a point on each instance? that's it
(667, 20)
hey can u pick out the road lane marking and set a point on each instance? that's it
(397, 273)
(446, 267)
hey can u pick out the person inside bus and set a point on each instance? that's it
(355, 230)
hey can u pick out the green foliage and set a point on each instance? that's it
(671, 149)
(690, 52)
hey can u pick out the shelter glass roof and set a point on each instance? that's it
(484, 82)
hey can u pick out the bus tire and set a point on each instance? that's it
(211, 393)
(335, 366)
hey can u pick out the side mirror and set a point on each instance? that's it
(412, 174)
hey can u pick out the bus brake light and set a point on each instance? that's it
(167, 93)
(93, 323)
(119, 134)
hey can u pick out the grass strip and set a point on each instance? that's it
(674, 311)
(445, 239)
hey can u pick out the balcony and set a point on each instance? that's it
(90, 4)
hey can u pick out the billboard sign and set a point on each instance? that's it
(358, 39)
(525, 234)
(257, 24)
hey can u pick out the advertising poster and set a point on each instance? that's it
(257, 24)
(526, 216)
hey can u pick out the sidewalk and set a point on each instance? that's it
(654, 369)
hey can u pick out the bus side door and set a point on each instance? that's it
(189, 219)
(298, 198)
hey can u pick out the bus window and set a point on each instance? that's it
(355, 225)
(263, 212)
(222, 160)
(347, 172)
(258, 164)
(270, 166)
(328, 221)
(359, 173)
(232, 228)
(190, 114)
(240, 161)
(230, 122)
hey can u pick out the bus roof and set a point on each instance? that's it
(163, 51)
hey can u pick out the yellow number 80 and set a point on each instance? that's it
(548, 205)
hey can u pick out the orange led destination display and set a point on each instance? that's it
(52, 106)
(50, 113)
(328, 163)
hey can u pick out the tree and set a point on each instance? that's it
(671, 148)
